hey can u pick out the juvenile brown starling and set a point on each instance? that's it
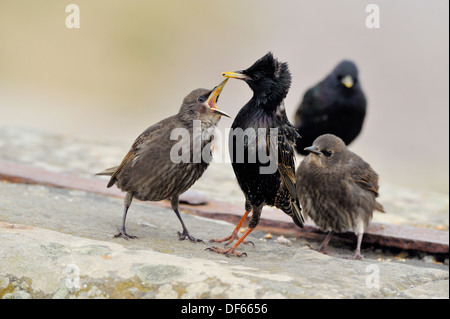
(154, 169)
(337, 189)
(261, 147)
(336, 105)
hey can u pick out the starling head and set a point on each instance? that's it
(269, 79)
(201, 104)
(345, 75)
(327, 150)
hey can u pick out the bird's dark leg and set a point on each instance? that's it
(185, 233)
(234, 235)
(122, 230)
(251, 226)
(323, 246)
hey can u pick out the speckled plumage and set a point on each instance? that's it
(337, 189)
(149, 172)
(269, 80)
(336, 105)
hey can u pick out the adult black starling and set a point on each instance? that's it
(154, 169)
(337, 189)
(261, 147)
(336, 105)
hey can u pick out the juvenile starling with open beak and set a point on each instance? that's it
(261, 147)
(337, 189)
(336, 105)
(153, 169)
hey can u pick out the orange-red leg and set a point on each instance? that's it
(232, 250)
(234, 235)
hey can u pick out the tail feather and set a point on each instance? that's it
(290, 206)
(297, 215)
(379, 207)
(108, 171)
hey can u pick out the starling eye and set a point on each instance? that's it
(327, 153)
(256, 77)
(201, 99)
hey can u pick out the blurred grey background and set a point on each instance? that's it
(131, 63)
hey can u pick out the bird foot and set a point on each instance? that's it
(356, 256)
(322, 250)
(319, 250)
(185, 234)
(227, 252)
(230, 239)
(122, 233)
(245, 242)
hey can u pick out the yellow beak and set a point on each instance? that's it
(214, 95)
(347, 81)
(235, 75)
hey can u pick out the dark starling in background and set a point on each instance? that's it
(337, 189)
(336, 105)
(269, 80)
(148, 172)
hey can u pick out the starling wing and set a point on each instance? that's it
(366, 178)
(287, 198)
(148, 136)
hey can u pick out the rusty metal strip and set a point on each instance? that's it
(386, 235)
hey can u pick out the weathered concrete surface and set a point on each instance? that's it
(49, 237)
(48, 233)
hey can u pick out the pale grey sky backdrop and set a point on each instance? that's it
(131, 63)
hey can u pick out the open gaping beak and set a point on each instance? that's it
(235, 75)
(214, 95)
(313, 149)
(347, 81)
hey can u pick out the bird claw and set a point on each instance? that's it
(229, 240)
(183, 235)
(322, 250)
(355, 256)
(248, 242)
(124, 235)
(245, 242)
(227, 252)
(228, 243)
